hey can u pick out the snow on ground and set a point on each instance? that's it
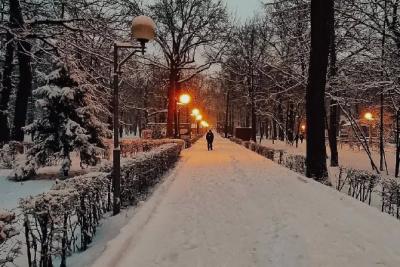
(11, 192)
(108, 230)
(232, 207)
(348, 157)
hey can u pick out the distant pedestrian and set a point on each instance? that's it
(210, 140)
(301, 138)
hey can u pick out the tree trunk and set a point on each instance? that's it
(333, 107)
(381, 126)
(227, 114)
(24, 89)
(290, 122)
(6, 89)
(261, 130)
(171, 104)
(253, 122)
(332, 133)
(273, 130)
(315, 95)
(280, 120)
(397, 143)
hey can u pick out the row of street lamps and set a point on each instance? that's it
(184, 99)
(143, 30)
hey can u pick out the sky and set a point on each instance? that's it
(243, 8)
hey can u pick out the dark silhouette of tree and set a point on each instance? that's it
(315, 95)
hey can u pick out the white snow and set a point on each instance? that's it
(11, 192)
(355, 157)
(232, 207)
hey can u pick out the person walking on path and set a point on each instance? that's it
(210, 139)
(301, 137)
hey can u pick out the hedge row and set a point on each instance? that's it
(130, 147)
(360, 184)
(65, 219)
(296, 163)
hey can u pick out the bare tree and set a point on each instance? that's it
(184, 30)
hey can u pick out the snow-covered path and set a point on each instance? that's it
(231, 207)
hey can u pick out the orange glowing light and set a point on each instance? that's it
(195, 112)
(368, 116)
(303, 127)
(199, 117)
(204, 124)
(184, 99)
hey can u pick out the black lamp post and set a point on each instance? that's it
(143, 30)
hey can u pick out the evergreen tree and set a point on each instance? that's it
(66, 122)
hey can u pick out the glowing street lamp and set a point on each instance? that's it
(143, 30)
(199, 117)
(368, 116)
(184, 99)
(195, 112)
(204, 124)
(303, 127)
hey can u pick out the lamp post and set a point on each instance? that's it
(143, 30)
(198, 119)
(184, 99)
(368, 116)
(194, 114)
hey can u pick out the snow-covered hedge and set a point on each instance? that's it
(391, 196)
(189, 141)
(296, 163)
(10, 247)
(65, 219)
(130, 147)
(140, 173)
(236, 140)
(361, 184)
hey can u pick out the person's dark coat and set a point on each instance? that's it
(210, 137)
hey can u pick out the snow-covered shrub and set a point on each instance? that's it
(10, 247)
(341, 179)
(130, 147)
(253, 146)
(139, 173)
(66, 122)
(260, 149)
(23, 170)
(236, 140)
(269, 153)
(190, 140)
(361, 184)
(391, 196)
(195, 138)
(65, 219)
(296, 163)
(8, 154)
(187, 140)
(246, 144)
